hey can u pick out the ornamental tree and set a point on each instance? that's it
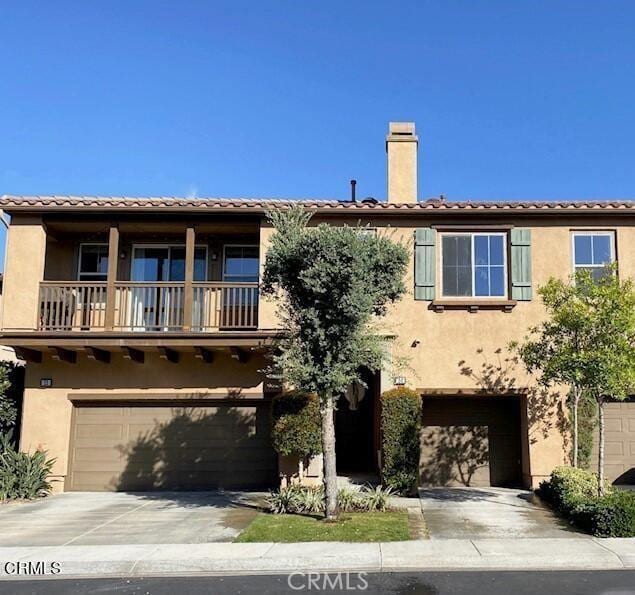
(587, 342)
(330, 283)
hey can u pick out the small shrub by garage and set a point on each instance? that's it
(400, 439)
(296, 424)
(569, 488)
(573, 492)
(23, 476)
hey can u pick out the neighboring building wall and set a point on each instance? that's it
(455, 350)
(46, 419)
(459, 350)
(26, 246)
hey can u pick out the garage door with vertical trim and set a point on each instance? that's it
(470, 441)
(619, 442)
(139, 447)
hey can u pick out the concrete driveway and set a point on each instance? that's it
(481, 513)
(91, 518)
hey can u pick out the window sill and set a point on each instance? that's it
(472, 305)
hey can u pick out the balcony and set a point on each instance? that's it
(139, 306)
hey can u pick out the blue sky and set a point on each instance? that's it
(512, 99)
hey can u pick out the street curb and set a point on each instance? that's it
(270, 558)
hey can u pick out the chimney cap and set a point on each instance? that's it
(401, 132)
(401, 128)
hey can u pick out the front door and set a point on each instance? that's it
(355, 436)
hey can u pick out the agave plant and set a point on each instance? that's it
(376, 499)
(285, 500)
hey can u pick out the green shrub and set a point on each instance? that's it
(297, 499)
(23, 475)
(574, 493)
(611, 516)
(400, 439)
(569, 488)
(296, 424)
(11, 387)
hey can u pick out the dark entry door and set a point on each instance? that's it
(355, 436)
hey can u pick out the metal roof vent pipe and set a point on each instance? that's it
(353, 185)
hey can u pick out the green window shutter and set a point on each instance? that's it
(425, 263)
(521, 263)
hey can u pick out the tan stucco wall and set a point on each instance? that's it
(46, 417)
(457, 350)
(26, 245)
(438, 348)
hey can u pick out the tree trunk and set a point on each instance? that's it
(601, 447)
(576, 402)
(328, 452)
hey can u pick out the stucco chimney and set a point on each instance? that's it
(401, 147)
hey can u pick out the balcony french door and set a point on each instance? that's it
(156, 294)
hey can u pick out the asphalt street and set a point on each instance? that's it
(615, 582)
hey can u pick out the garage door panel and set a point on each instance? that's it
(613, 424)
(614, 448)
(97, 431)
(101, 453)
(470, 442)
(135, 447)
(619, 442)
(455, 455)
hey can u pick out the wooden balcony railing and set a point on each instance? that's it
(215, 306)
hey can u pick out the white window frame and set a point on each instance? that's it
(472, 235)
(591, 232)
(88, 276)
(225, 246)
(169, 246)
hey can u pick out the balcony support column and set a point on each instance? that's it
(111, 277)
(188, 289)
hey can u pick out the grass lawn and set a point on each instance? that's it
(353, 526)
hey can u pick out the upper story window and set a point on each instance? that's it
(592, 251)
(93, 262)
(474, 265)
(240, 264)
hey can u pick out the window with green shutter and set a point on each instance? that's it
(425, 263)
(520, 239)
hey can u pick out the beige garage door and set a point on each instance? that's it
(619, 443)
(470, 441)
(171, 447)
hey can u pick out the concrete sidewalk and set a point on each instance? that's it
(250, 558)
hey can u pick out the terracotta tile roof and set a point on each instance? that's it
(109, 203)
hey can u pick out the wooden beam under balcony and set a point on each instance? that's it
(169, 355)
(98, 355)
(205, 355)
(134, 355)
(240, 355)
(64, 355)
(29, 355)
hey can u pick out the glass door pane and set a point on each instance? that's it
(148, 311)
